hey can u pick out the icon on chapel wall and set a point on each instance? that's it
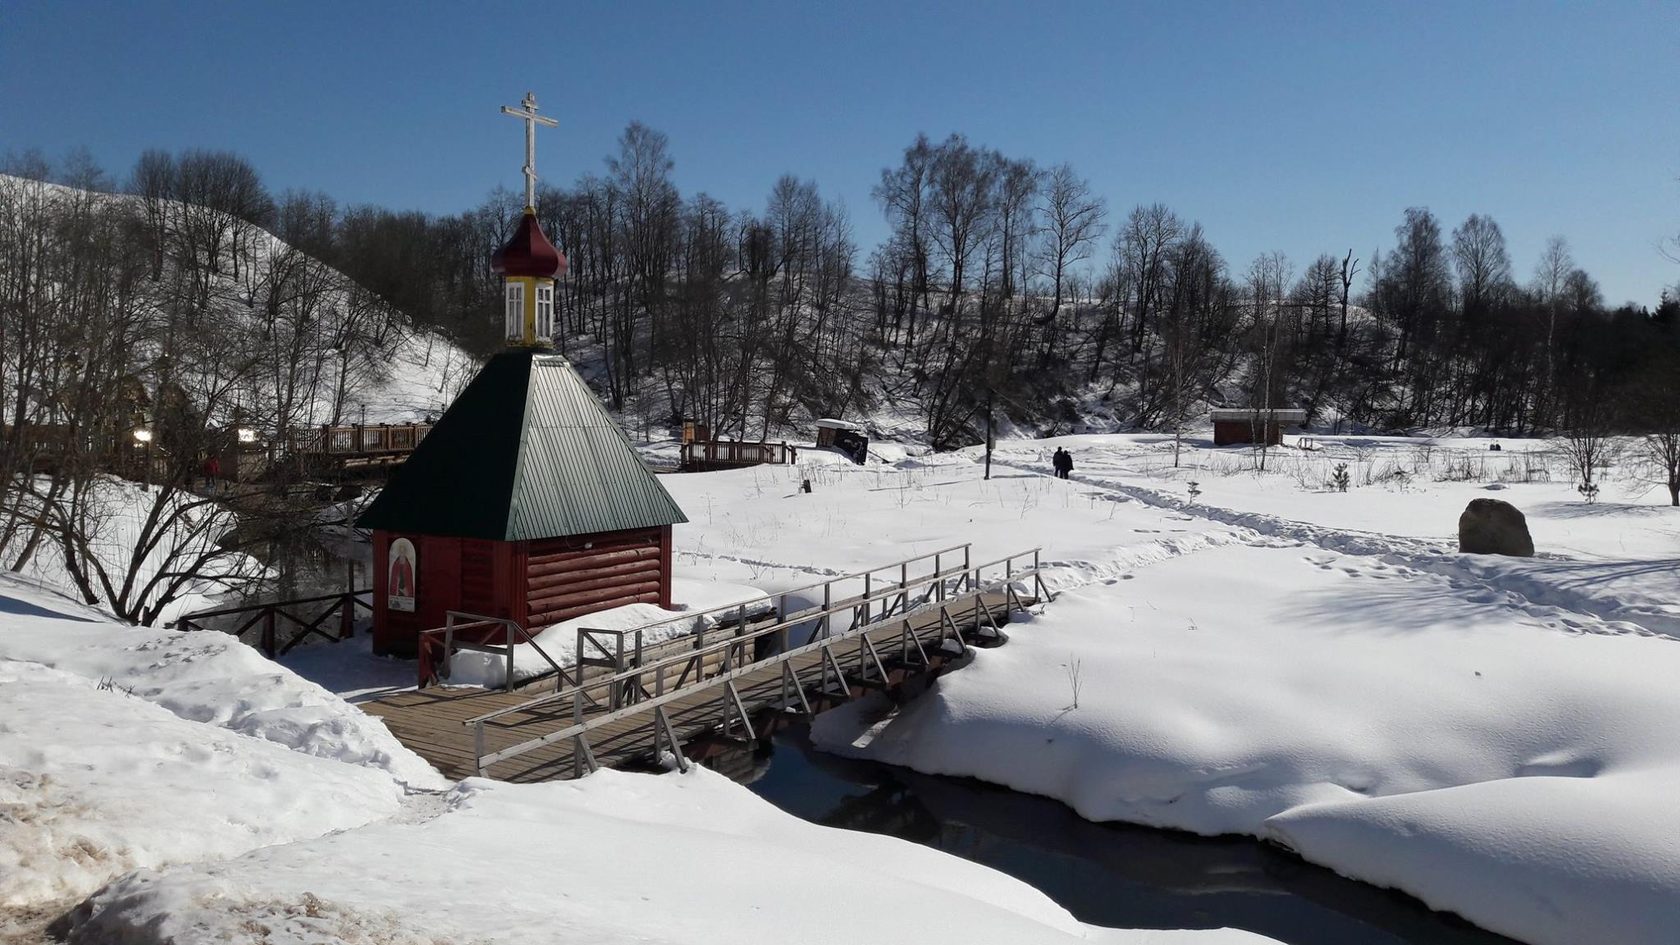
(399, 584)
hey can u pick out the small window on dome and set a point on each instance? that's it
(514, 314)
(545, 312)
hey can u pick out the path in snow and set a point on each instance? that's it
(1554, 589)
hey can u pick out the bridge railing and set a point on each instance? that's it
(297, 617)
(472, 632)
(736, 453)
(359, 438)
(721, 662)
(940, 579)
(618, 649)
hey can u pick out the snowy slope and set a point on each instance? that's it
(423, 371)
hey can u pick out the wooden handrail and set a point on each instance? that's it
(510, 627)
(787, 622)
(935, 556)
(580, 726)
(344, 602)
(743, 452)
(387, 438)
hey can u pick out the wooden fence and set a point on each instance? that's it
(295, 617)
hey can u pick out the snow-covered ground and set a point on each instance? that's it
(127, 747)
(615, 858)
(158, 787)
(1273, 657)
(691, 605)
(1268, 657)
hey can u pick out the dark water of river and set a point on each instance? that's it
(1115, 876)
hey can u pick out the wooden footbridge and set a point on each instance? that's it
(354, 449)
(889, 629)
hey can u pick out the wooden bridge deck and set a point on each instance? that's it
(433, 722)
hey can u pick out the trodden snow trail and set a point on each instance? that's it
(1560, 607)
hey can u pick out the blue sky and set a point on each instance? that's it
(1297, 127)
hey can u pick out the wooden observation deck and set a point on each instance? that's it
(895, 626)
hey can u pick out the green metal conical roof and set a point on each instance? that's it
(526, 451)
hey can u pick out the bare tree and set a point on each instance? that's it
(1550, 275)
(1268, 330)
(1484, 267)
(1073, 222)
(1350, 270)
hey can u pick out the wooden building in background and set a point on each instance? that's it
(1236, 425)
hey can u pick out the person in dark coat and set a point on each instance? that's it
(1063, 461)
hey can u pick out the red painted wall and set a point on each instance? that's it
(534, 583)
(581, 574)
(459, 574)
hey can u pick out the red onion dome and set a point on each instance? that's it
(529, 253)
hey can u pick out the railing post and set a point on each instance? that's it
(268, 633)
(577, 740)
(507, 637)
(346, 616)
(867, 604)
(448, 644)
(828, 588)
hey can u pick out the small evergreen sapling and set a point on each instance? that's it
(1339, 479)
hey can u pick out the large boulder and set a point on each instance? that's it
(1494, 527)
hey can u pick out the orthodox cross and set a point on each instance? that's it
(527, 112)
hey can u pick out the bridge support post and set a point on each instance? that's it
(662, 728)
(790, 680)
(829, 662)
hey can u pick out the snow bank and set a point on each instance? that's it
(1551, 857)
(1377, 719)
(691, 599)
(682, 850)
(205, 677)
(95, 782)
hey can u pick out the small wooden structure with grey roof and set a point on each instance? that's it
(525, 502)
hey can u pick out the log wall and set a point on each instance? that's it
(570, 577)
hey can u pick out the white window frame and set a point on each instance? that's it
(545, 312)
(513, 312)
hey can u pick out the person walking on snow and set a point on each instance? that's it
(1063, 462)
